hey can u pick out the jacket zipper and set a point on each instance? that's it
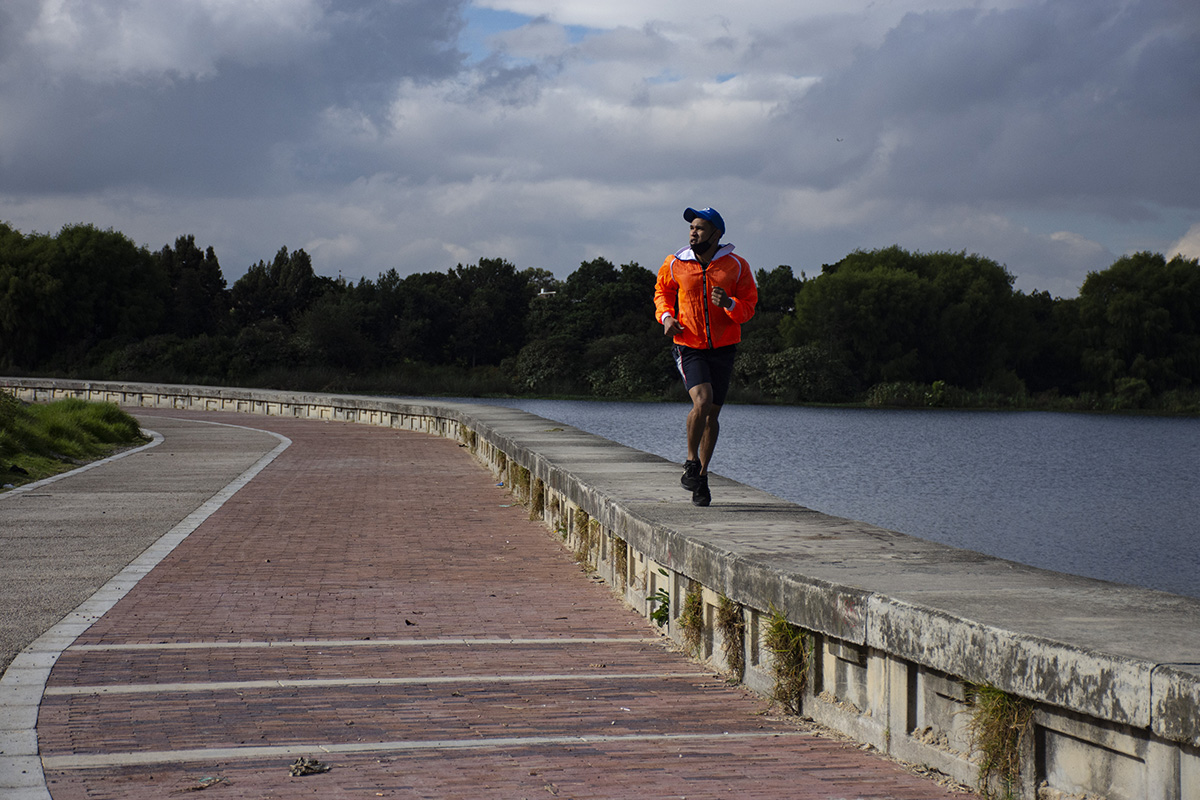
(704, 284)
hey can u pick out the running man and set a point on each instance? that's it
(703, 296)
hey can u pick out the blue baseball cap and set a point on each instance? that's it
(709, 214)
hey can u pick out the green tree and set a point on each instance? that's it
(33, 302)
(777, 290)
(199, 301)
(112, 290)
(599, 300)
(541, 280)
(281, 290)
(1139, 323)
(419, 315)
(332, 332)
(762, 337)
(891, 315)
(1047, 343)
(596, 334)
(492, 305)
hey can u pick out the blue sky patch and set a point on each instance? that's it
(484, 23)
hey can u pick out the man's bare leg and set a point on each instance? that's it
(703, 426)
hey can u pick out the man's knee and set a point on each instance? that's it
(702, 397)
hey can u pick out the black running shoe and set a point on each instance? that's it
(700, 495)
(691, 475)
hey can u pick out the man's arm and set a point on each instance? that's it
(666, 292)
(741, 305)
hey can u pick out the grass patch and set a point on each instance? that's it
(518, 476)
(537, 500)
(691, 619)
(37, 441)
(732, 624)
(1000, 723)
(791, 647)
(621, 560)
(583, 539)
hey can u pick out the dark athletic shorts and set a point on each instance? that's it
(707, 366)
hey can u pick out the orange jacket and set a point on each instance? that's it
(684, 291)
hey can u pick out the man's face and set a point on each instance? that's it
(701, 230)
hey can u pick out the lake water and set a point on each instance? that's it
(1109, 497)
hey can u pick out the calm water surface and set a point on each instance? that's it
(1107, 497)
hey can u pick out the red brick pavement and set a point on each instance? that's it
(350, 572)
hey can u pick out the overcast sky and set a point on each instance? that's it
(1052, 136)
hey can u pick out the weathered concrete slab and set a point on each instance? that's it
(1175, 689)
(1078, 643)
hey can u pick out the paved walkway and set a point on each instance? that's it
(370, 599)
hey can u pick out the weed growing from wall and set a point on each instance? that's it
(691, 618)
(661, 613)
(466, 437)
(621, 557)
(792, 650)
(731, 622)
(583, 538)
(595, 539)
(519, 477)
(537, 500)
(1000, 725)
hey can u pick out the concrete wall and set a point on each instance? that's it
(898, 632)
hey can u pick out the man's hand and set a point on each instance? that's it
(721, 298)
(671, 326)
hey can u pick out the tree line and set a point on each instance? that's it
(882, 327)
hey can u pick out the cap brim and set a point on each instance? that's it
(691, 214)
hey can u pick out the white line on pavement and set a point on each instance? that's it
(450, 642)
(323, 683)
(296, 750)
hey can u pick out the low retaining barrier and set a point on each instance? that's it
(898, 643)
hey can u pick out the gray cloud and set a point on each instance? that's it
(207, 122)
(1050, 136)
(1086, 101)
